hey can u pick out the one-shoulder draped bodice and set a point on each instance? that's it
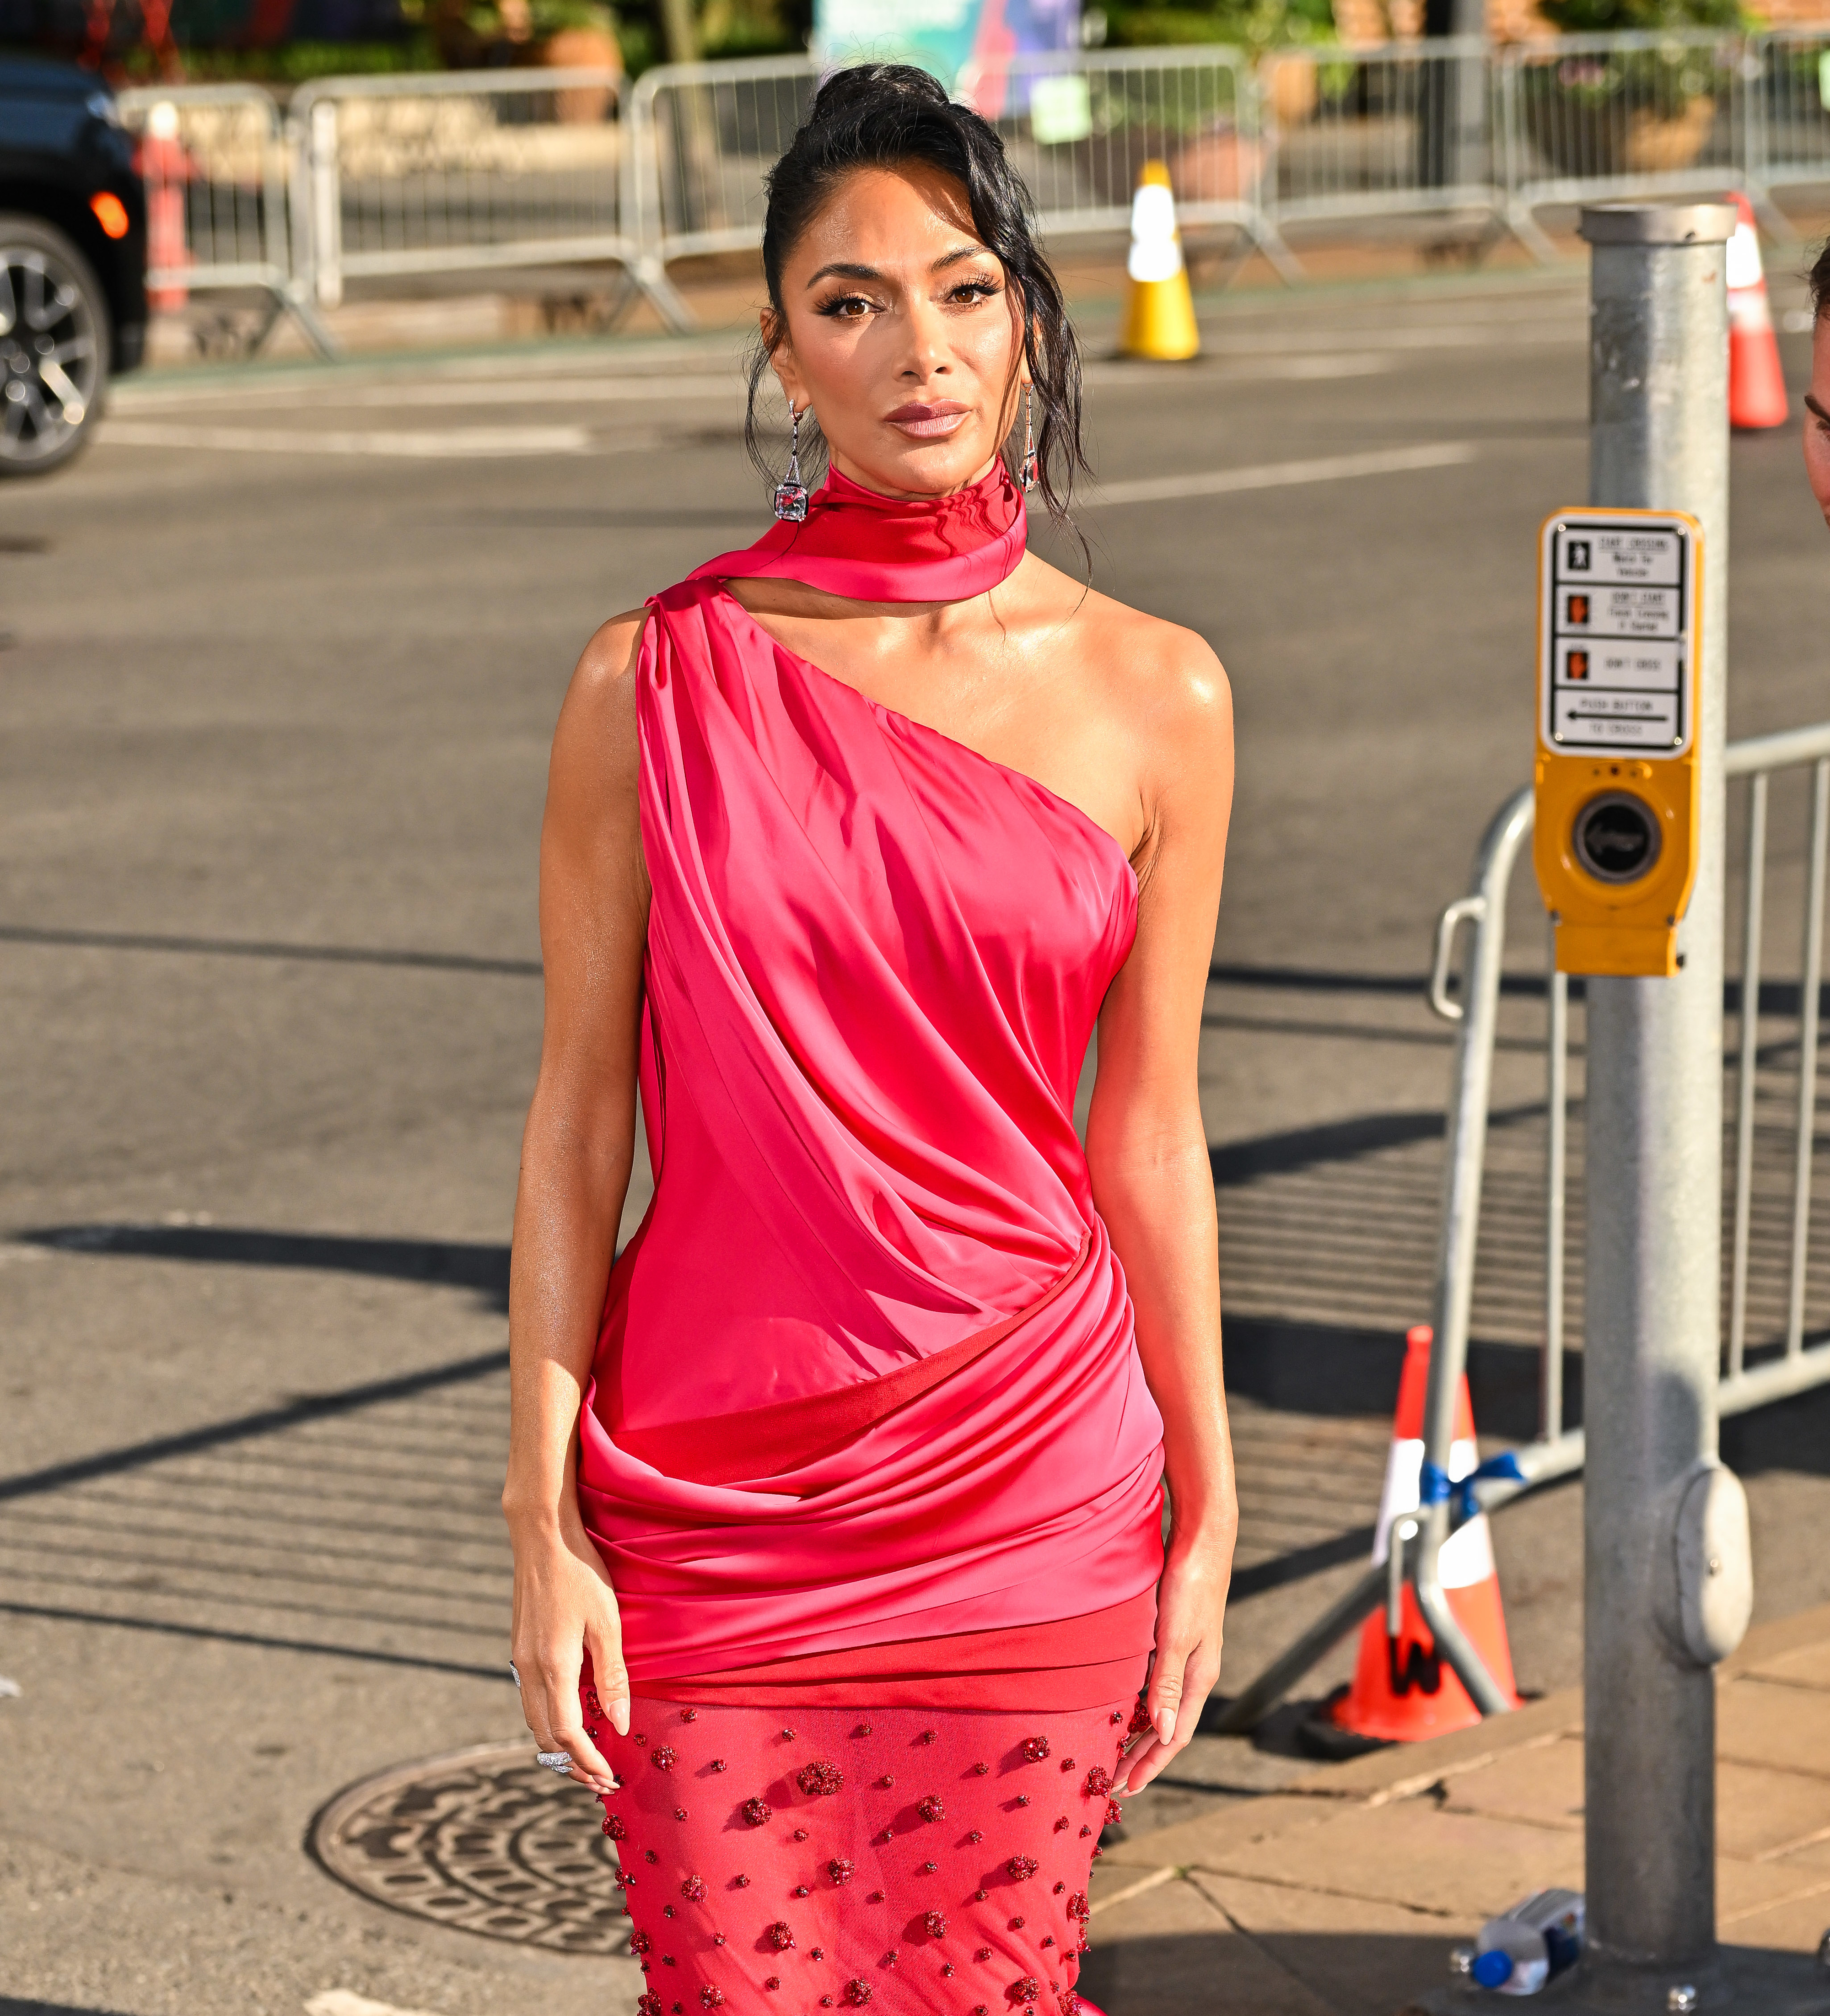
(869, 1359)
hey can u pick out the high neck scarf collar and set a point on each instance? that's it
(869, 548)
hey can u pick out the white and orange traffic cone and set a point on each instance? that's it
(1160, 310)
(165, 168)
(1402, 1689)
(1756, 382)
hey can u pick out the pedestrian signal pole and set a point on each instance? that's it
(1629, 850)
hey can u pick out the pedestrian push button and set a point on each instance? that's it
(1615, 840)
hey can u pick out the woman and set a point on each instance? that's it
(841, 1494)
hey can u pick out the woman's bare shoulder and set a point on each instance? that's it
(595, 742)
(1163, 677)
(609, 658)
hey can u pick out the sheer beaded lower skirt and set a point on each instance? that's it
(928, 1862)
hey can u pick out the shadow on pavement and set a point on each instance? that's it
(439, 1263)
(1232, 1971)
(10, 2005)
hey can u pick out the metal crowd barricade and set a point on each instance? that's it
(1404, 128)
(1772, 1350)
(467, 172)
(215, 167)
(1788, 130)
(1585, 118)
(708, 135)
(1079, 127)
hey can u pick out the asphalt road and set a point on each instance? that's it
(282, 660)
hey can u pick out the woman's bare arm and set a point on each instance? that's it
(576, 1155)
(1147, 1150)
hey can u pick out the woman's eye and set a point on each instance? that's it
(844, 307)
(971, 292)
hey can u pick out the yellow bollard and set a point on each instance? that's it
(1160, 311)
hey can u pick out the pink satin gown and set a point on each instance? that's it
(867, 1450)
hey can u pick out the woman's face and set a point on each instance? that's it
(902, 332)
(1817, 418)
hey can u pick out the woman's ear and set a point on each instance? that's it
(1021, 330)
(782, 363)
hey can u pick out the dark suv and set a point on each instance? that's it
(73, 259)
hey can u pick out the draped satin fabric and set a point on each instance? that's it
(867, 1372)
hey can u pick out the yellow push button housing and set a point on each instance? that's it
(1615, 840)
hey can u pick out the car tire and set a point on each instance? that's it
(54, 346)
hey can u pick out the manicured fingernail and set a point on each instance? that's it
(619, 1717)
(1165, 1724)
(1120, 1790)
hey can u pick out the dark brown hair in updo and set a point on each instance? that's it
(1819, 282)
(879, 116)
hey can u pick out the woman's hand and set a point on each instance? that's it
(564, 1608)
(1190, 1605)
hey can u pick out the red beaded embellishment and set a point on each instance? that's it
(650, 2005)
(779, 1936)
(840, 1870)
(662, 1754)
(689, 1715)
(1035, 1748)
(935, 1923)
(1026, 1990)
(757, 1812)
(711, 1997)
(820, 1779)
(616, 1827)
(1098, 1781)
(693, 1889)
(1021, 1865)
(857, 1992)
(932, 1808)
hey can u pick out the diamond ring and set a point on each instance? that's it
(555, 1760)
(512, 1674)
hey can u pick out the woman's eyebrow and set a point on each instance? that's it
(961, 252)
(844, 269)
(1816, 409)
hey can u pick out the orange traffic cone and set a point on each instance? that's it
(165, 168)
(1403, 1691)
(1756, 384)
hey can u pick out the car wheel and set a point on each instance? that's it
(53, 347)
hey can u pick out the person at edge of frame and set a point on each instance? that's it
(1816, 435)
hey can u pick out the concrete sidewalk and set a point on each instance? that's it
(1342, 1894)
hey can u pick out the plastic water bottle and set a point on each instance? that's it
(1518, 1952)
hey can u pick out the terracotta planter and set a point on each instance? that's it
(1219, 167)
(1657, 145)
(1292, 86)
(1582, 137)
(581, 48)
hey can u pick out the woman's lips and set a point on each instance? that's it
(928, 423)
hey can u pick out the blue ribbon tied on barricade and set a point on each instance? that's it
(1435, 1484)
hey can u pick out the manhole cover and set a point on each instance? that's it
(485, 1841)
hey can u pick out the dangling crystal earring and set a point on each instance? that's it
(1030, 464)
(791, 492)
